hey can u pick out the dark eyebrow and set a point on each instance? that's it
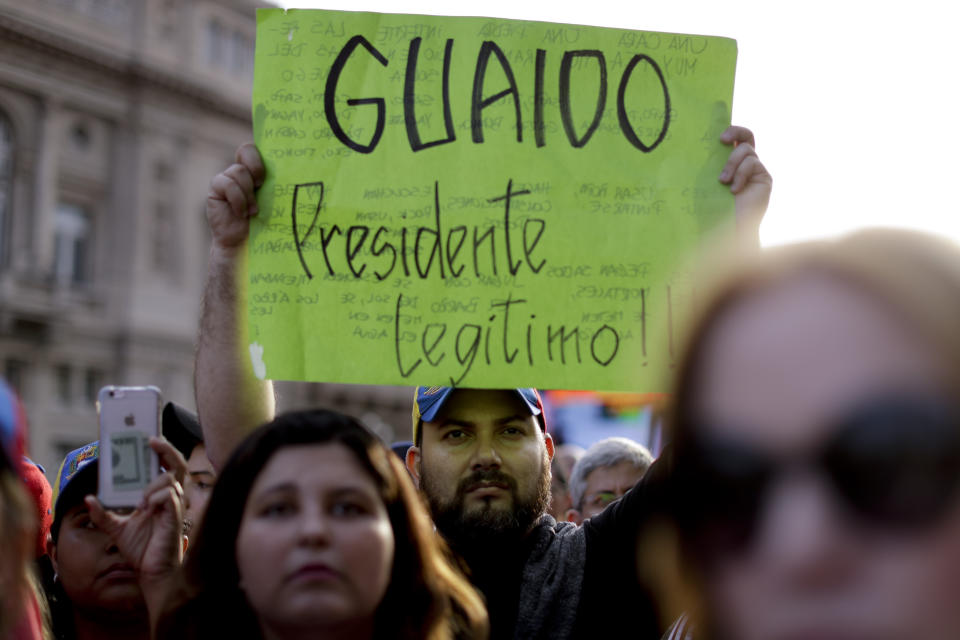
(83, 511)
(454, 422)
(352, 491)
(290, 487)
(278, 488)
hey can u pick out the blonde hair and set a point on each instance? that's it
(916, 276)
(17, 542)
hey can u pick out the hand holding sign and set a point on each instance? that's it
(231, 200)
(604, 189)
(749, 182)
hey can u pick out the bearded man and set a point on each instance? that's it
(482, 458)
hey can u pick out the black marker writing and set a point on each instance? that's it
(436, 250)
(557, 344)
(477, 102)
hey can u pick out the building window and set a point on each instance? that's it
(117, 13)
(6, 180)
(241, 56)
(15, 373)
(164, 245)
(228, 49)
(72, 244)
(216, 42)
(168, 17)
(80, 136)
(165, 257)
(64, 382)
(163, 172)
(92, 382)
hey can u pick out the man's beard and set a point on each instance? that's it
(486, 527)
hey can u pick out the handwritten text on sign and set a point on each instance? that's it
(479, 202)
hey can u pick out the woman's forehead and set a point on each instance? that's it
(324, 463)
(781, 364)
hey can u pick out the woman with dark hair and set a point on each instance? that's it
(817, 444)
(315, 530)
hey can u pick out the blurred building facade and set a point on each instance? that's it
(114, 115)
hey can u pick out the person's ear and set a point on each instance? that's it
(52, 552)
(574, 516)
(413, 462)
(548, 442)
(185, 544)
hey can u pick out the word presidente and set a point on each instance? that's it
(426, 244)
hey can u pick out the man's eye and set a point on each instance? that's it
(454, 434)
(206, 486)
(514, 431)
(604, 498)
(86, 523)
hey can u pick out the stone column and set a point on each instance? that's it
(45, 186)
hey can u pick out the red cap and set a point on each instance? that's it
(41, 495)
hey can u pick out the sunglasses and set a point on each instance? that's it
(894, 463)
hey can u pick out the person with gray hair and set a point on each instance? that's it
(604, 473)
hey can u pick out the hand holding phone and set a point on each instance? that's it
(129, 416)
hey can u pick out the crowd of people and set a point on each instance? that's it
(808, 488)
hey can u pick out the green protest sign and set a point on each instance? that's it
(480, 202)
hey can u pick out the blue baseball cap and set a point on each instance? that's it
(73, 463)
(79, 468)
(427, 402)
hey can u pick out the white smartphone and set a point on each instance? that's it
(128, 417)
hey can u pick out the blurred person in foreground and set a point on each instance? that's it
(113, 571)
(314, 530)
(608, 469)
(22, 605)
(817, 444)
